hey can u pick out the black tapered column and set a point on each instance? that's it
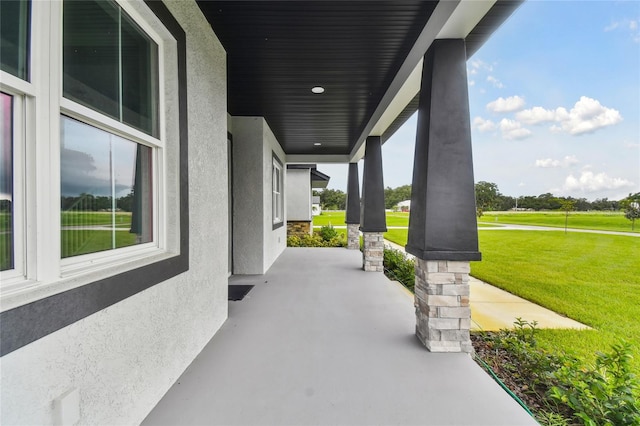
(353, 208)
(443, 231)
(373, 221)
(443, 212)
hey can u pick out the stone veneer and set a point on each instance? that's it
(373, 252)
(353, 236)
(443, 315)
(298, 228)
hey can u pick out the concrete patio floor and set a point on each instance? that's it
(318, 341)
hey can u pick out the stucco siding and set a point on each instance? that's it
(248, 188)
(275, 240)
(256, 245)
(123, 359)
(298, 194)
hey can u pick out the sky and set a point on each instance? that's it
(554, 97)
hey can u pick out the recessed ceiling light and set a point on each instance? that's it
(317, 144)
(317, 89)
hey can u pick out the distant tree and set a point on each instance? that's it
(487, 195)
(333, 199)
(393, 196)
(566, 206)
(631, 207)
(125, 203)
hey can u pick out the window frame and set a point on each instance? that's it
(44, 288)
(277, 188)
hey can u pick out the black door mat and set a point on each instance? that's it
(238, 292)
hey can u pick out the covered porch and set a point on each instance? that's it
(316, 341)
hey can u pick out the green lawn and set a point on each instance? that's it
(72, 218)
(606, 221)
(77, 242)
(592, 278)
(336, 218)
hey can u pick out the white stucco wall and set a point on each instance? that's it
(248, 207)
(256, 245)
(124, 358)
(298, 192)
(275, 240)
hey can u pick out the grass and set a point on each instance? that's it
(604, 221)
(592, 278)
(123, 219)
(337, 218)
(75, 243)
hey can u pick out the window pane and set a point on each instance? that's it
(91, 55)
(6, 182)
(14, 40)
(110, 64)
(106, 190)
(139, 78)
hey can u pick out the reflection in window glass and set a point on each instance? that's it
(110, 64)
(106, 195)
(6, 182)
(14, 40)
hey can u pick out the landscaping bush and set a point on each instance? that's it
(326, 237)
(600, 394)
(558, 388)
(399, 267)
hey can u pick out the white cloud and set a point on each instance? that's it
(567, 161)
(536, 115)
(510, 104)
(477, 64)
(496, 83)
(591, 182)
(586, 116)
(484, 125)
(611, 27)
(513, 130)
(472, 83)
(632, 26)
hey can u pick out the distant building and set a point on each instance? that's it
(404, 206)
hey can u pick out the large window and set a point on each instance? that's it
(277, 185)
(82, 139)
(111, 66)
(93, 159)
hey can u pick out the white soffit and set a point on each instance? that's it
(407, 92)
(459, 24)
(465, 18)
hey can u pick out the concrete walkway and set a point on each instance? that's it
(511, 227)
(318, 341)
(493, 309)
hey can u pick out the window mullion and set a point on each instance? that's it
(47, 46)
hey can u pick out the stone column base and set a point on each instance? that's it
(353, 236)
(373, 252)
(443, 315)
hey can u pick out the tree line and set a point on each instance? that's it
(96, 203)
(488, 198)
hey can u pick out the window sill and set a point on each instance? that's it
(23, 292)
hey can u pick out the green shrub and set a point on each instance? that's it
(328, 233)
(603, 394)
(399, 267)
(600, 394)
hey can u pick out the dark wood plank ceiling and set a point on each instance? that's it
(279, 50)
